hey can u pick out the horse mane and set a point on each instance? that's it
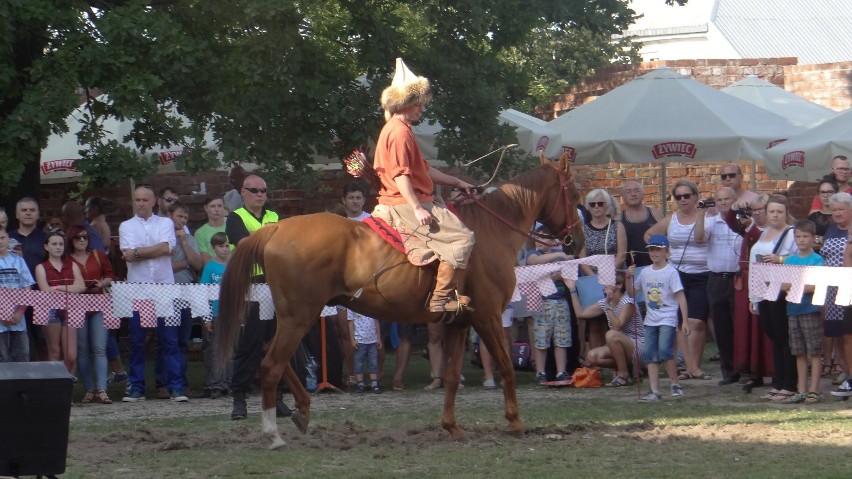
(511, 200)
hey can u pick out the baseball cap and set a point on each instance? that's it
(658, 241)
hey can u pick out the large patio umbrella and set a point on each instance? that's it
(807, 156)
(779, 101)
(62, 151)
(663, 116)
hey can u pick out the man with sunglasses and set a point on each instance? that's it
(842, 172)
(249, 352)
(732, 177)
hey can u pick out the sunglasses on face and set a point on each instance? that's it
(726, 176)
(81, 238)
(842, 168)
(255, 191)
(596, 204)
(684, 196)
(827, 192)
(169, 200)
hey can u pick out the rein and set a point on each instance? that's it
(564, 235)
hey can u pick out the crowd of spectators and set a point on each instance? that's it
(707, 249)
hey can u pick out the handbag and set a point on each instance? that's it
(586, 378)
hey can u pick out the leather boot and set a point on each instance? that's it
(239, 410)
(445, 298)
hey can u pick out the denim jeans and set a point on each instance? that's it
(91, 352)
(659, 343)
(216, 378)
(14, 347)
(184, 334)
(111, 347)
(167, 341)
(368, 353)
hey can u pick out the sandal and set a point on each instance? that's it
(770, 394)
(88, 397)
(437, 383)
(102, 397)
(688, 375)
(782, 396)
(619, 381)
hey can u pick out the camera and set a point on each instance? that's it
(743, 212)
(706, 203)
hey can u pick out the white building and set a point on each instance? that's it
(814, 31)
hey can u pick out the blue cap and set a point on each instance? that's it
(658, 241)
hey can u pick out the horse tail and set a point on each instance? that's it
(235, 286)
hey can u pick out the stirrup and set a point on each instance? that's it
(447, 304)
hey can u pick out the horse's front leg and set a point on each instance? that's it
(491, 333)
(454, 337)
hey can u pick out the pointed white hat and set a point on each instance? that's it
(405, 90)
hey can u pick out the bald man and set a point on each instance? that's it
(637, 218)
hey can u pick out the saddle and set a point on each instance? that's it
(400, 237)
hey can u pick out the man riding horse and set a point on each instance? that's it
(407, 182)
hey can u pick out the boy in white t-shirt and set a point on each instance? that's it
(14, 342)
(663, 296)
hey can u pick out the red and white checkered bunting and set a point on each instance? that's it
(42, 302)
(533, 282)
(765, 281)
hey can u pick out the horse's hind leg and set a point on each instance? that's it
(302, 415)
(271, 370)
(454, 336)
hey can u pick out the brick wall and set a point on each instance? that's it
(829, 85)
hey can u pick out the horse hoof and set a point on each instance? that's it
(301, 421)
(277, 443)
(516, 431)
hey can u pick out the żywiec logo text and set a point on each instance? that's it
(571, 152)
(794, 158)
(57, 165)
(674, 148)
(776, 142)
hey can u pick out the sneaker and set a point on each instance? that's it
(540, 378)
(563, 376)
(133, 396)
(179, 396)
(489, 384)
(677, 391)
(377, 389)
(795, 399)
(812, 398)
(360, 387)
(163, 393)
(840, 379)
(844, 390)
(651, 397)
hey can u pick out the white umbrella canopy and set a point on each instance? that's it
(779, 101)
(807, 157)
(58, 157)
(664, 116)
(533, 133)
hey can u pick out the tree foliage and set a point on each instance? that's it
(278, 81)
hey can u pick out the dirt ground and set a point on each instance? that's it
(344, 435)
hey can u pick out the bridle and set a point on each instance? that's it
(565, 182)
(565, 235)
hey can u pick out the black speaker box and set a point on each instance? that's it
(35, 406)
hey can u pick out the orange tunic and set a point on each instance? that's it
(397, 154)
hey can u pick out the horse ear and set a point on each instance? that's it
(564, 163)
(542, 158)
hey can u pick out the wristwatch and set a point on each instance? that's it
(135, 252)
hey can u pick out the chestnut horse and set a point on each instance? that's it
(320, 259)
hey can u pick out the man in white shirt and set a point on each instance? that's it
(146, 243)
(724, 246)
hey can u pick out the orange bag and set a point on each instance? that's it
(586, 378)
